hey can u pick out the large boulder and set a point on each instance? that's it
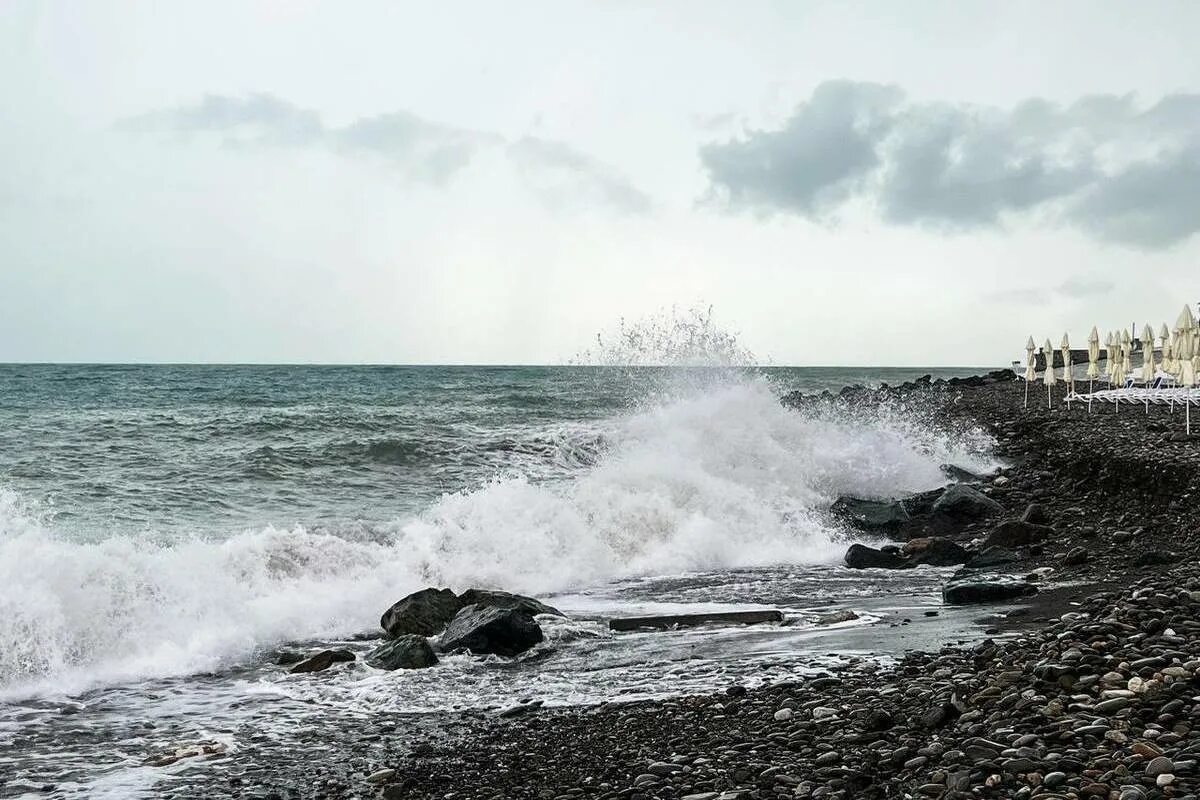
(1017, 533)
(424, 613)
(493, 599)
(859, 556)
(870, 515)
(965, 592)
(960, 474)
(498, 631)
(961, 503)
(921, 504)
(322, 661)
(936, 551)
(408, 651)
(991, 558)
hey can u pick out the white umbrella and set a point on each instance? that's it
(1167, 365)
(1030, 367)
(1110, 356)
(1048, 373)
(1185, 351)
(1126, 355)
(1067, 375)
(1093, 370)
(1148, 354)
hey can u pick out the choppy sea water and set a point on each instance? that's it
(164, 529)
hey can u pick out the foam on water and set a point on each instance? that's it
(714, 477)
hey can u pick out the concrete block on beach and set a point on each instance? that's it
(690, 620)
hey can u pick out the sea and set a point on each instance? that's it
(166, 530)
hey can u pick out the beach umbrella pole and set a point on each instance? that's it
(1049, 402)
(1027, 394)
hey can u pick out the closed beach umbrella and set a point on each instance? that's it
(1185, 346)
(1048, 373)
(1148, 354)
(1030, 367)
(1093, 370)
(1126, 355)
(1065, 347)
(1110, 356)
(1168, 365)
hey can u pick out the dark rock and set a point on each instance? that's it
(921, 504)
(990, 558)
(1075, 556)
(690, 620)
(966, 592)
(936, 551)
(285, 657)
(1036, 513)
(961, 503)
(323, 660)
(424, 613)
(859, 556)
(1016, 533)
(870, 515)
(408, 651)
(1149, 558)
(500, 631)
(488, 598)
(960, 474)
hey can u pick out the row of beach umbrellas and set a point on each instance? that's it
(1179, 359)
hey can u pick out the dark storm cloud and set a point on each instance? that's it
(1103, 164)
(422, 149)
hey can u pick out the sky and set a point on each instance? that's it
(852, 183)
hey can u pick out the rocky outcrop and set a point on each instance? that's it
(497, 631)
(859, 556)
(322, 661)
(408, 651)
(875, 516)
(936, 551)
(424, 613)
(969, 591)
(429, 611)
(1016, 533)
(961, 504)
(493, 599)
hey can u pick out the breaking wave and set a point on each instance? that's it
(719, 476)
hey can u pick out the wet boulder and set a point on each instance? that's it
(970, 591)
(1017, 533)
(493, 599)
(424, 613)
(961, 503)
(870, 515)
(991, 558)
(960, 474)
(499, 631)
(322, 661)
(859, 556)
(408, 651)
(921, 504)
(936, 551)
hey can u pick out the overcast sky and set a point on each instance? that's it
(845, 183)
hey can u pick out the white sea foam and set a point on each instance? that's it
(708, 479)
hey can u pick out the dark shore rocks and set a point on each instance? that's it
(322, 661)
(424, 613)
(859, 556)
(428, 611)
(968, 591)
(408, 651)
(490, 630)
(871, 515)
(961, 503)
(665, 622)
(936, 551)
(495, 599)
(1017, 533)
(991, 558)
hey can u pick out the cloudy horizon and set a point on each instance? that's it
(849, 184)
